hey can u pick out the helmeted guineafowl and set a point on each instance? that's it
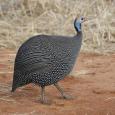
(45, 60)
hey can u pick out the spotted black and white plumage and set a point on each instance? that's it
(45, 59)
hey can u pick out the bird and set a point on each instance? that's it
(46, 59)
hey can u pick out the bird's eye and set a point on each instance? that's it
(81, 18)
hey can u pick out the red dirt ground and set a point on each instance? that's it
(93, 88)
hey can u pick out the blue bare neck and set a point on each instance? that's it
(77, 25)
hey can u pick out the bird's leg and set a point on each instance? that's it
(65, 96)
(43, 99)
(42, 94)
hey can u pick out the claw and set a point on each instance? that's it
(68, 97)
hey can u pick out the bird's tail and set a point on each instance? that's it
(14, 83)
(13, 89)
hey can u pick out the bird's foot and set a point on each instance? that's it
(45, 101)
(68, 97)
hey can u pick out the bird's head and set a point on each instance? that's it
(77, 23)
